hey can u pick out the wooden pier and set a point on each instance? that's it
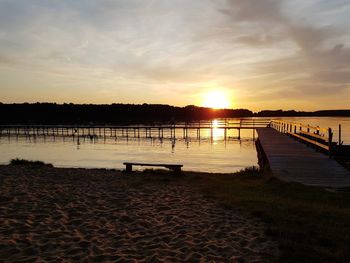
(159, 131)
(291, 160)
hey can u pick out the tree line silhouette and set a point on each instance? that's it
(52, 113)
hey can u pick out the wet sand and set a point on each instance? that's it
(50, 214)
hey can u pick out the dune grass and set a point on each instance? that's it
(29, 163)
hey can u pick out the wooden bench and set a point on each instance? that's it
(173, 167)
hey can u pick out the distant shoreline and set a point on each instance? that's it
(52, 113)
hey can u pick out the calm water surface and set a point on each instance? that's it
(196, 155)
(327, 122)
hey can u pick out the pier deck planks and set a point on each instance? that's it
(291, 160)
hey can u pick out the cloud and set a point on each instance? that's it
(268, 48)
(7, 61)
(254, 11)
(315, 63)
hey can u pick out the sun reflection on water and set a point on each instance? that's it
(217, 131)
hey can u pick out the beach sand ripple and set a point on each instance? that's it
(55, 215)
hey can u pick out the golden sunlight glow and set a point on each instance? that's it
(216, 100)
(217, 133)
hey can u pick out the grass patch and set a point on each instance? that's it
(249, 171)
(309, 223)
(29, 163)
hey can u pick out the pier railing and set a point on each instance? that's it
(321, 138)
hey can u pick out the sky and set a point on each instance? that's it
(258, 54)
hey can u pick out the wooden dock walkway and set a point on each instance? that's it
(291, 160)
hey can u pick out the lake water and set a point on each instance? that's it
(327, 122)
(216, 155)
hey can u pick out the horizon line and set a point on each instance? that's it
(160, 104)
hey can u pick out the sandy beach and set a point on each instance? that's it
(63, 215)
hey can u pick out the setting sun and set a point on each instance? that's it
(216, 100)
